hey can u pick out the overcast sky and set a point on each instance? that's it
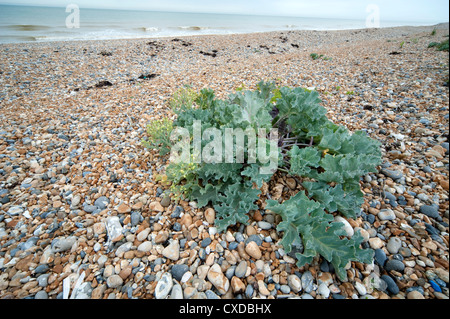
(394, 10)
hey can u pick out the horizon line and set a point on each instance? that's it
(218, 13)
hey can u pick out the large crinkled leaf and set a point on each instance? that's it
(265, 90)
(204, 195)
(303, 159)
(253, 172)
(254, 110)
(336, 140)
(335, 198)
(324, 239)
(224, 113)
(318, 232)
(341, 169)
(220, 171)
(362, 144)
(234, 204)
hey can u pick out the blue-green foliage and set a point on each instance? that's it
(327, 157)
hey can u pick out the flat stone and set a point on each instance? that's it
(392, 174)
(394, 245)
(63, 244)
(376, 243)
(15, 210)
(114, 228)
(164, 286)
(307, 282)
(391, 285)
(178, 271)
(442, 274)
(429, 210)
(123, 208)
(101, 202)
(41, 294)
(237, 285)
(394, 264)
(380, 257)
(172, 251)
(122, 249)
(264, 225)
(210, 215)
(323, 290)
(253, 250)
(414, 294)
(241, 269)
(294, 283)
(177, 292)
(114, 281)
(143, 234)
(156, 206)
(360, 288)
(262, 288)
(165, 202)
(386, 214)
(145, 247)
(218, 279)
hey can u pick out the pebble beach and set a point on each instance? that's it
(82, 215)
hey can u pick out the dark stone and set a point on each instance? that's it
(391, 285)
(380, 257)
(430, 211)
(178, 271)
(205, 242)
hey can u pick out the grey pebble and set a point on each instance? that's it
(211, 295)
(394, 264)
(249, 291)
(430, 211)
(241, 269)
(101, 202)
(394, 245)
(391, 285)
(205, 242)
(285, 289)
(392, 174)
(307, 281)
(43, 280)
(41, 294)
(254, 238)
(41, 269)
(63, 244)
(380, 257)
(264, 225)
(178, 271)
(89, 208)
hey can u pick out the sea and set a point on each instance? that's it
(38, 24)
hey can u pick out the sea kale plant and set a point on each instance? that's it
(292, 135)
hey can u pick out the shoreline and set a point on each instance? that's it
(73, 115)
(443, 25)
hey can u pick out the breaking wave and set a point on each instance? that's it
(27, 27)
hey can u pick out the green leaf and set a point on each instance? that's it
(205, 99)
(234, 205)
(324, 239)
(204, 195)
(253, 171)
(303, 159)
(319, 233)
(224, 172)
(254, 110)
(335, 198)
